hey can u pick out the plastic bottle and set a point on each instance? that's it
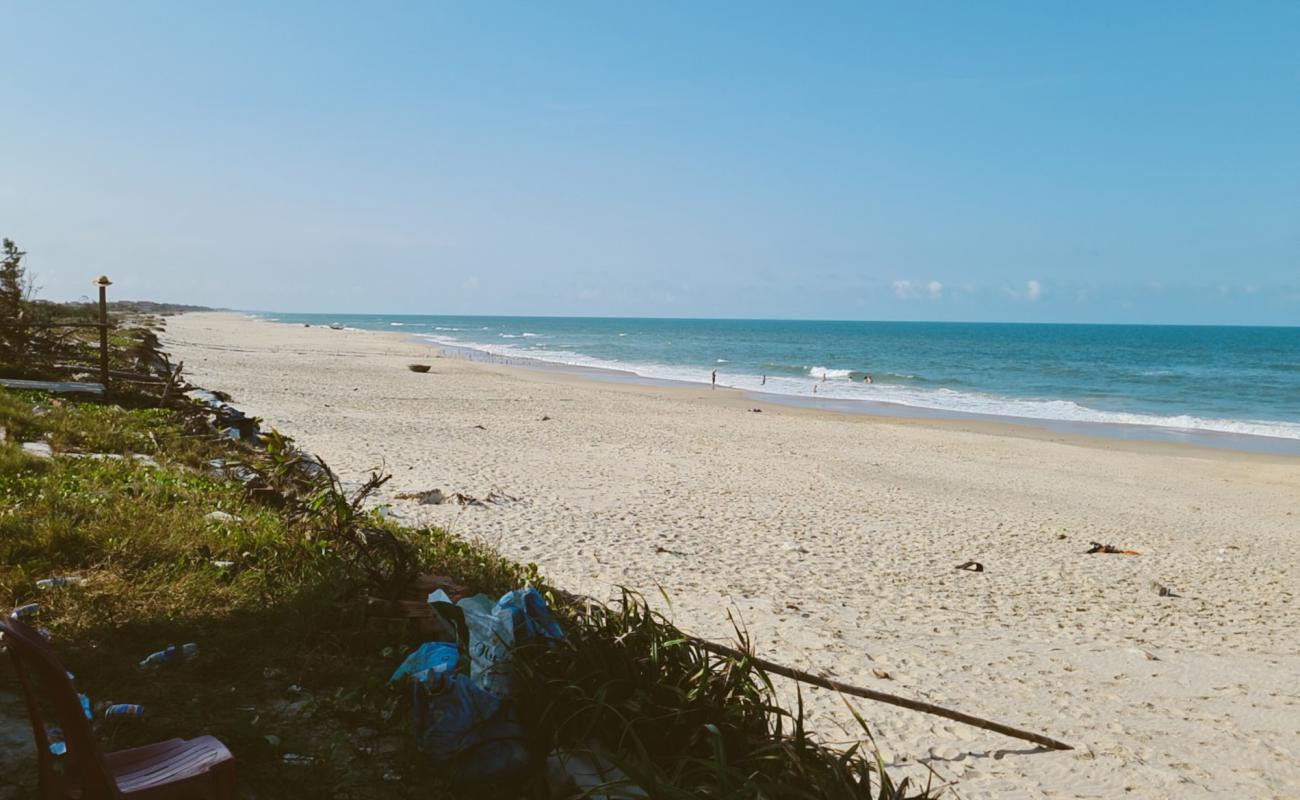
(56, 744)
(59, 580)
(85, 706)
(124, 710)
(29, 610)
(172, 654)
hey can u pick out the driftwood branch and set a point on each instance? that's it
(883, 697)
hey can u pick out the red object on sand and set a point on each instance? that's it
(176, 768)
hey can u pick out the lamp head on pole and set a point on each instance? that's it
(103, 280)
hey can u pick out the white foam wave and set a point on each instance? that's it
(941, 400)
(397, 324)
(528, 335)
(826, 372)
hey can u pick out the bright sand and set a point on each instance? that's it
(834, 538)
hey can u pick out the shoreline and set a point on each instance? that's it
(833, 539)
(1088, 435)
(1080, 432)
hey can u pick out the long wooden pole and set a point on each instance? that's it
(856, 691)
(103, 335)
(883, 697)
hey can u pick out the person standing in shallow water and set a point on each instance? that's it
(713, 379)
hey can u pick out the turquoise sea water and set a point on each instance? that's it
(1233, 380)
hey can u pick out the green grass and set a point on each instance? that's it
(683, 722)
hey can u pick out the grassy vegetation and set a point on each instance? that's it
(288, 664)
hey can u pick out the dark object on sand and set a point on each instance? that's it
(1098, 547)
(971, 566)
(480, 427)
(200, 767)
(756, 410)
(433, 497)
(545, 418)
(418, 367)
(1163, 591)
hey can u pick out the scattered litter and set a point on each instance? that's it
(418, 367)
(756, 411)
(433, 497)
(971, 566)
(38, 449)
(23, 612)
(437, 497)
(794, 547)
(85, 705)
(545, 418)
(272, 740)
(219, 564)
(221, 516)
(294, 759)
(1098, 547)
(170, 655)
(59, 581)
(124, 710)
(1147, 654)
(882, 674)
(589, 773)
(661, 549)
(459, 691)
(480, 427)
(1163, 591)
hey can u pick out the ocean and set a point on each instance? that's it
(1150, 381)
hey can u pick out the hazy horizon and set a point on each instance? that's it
(992, 163)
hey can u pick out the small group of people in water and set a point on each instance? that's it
(713, 380)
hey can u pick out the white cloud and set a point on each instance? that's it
(1033, 290)
(906, 290)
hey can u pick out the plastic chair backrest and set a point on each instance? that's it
(41, 675)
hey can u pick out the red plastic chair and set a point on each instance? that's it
(170, 770)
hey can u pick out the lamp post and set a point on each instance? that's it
(103, 283)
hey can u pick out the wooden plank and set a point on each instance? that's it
(58, 387)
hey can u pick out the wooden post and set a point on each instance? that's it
(103, 283)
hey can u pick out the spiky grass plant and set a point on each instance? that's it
(687, 722)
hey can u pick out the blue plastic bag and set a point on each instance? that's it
(440, 657)
(456, 721)
(530, 615)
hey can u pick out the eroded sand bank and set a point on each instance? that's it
(834, 537)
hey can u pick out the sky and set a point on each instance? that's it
(1033, 161)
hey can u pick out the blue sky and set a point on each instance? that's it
(1127, 162)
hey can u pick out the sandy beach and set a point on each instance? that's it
(835, 538)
